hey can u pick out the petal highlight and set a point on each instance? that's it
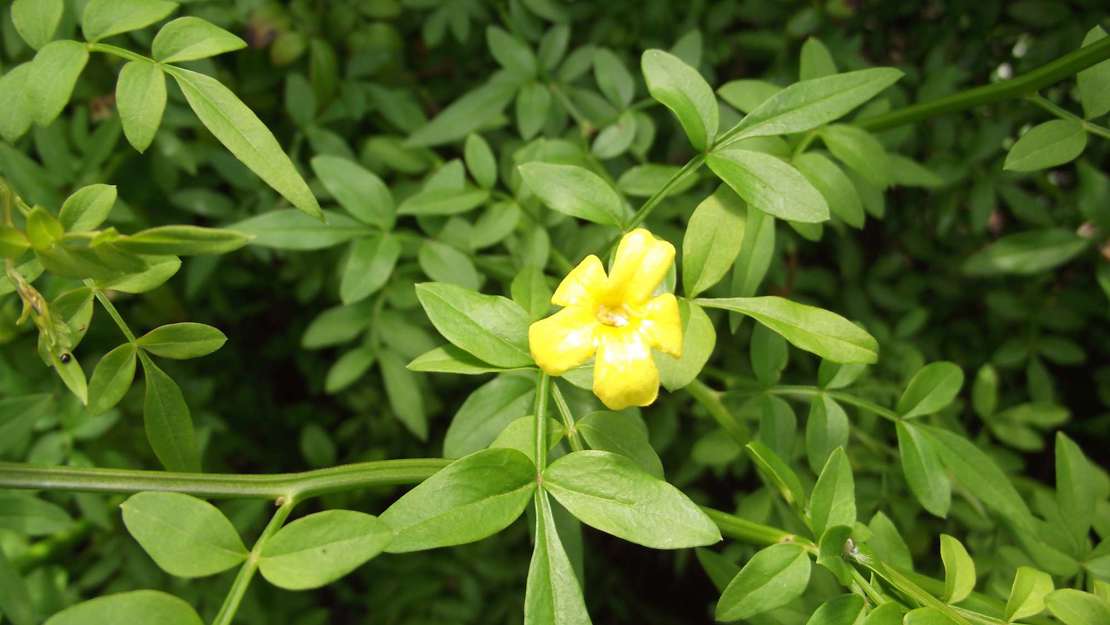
(641, 263)
(582, 285)
(624, 372)
(564, 340)
(662, 324)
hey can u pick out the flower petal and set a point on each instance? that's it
(662, 325)
(641, 263)
(624, 373)
(582, 284)
(564, 340)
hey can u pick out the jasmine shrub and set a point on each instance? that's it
(508, 312)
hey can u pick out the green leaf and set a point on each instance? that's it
(530, 289)
(755, 256)
(746, 95)
(774, 577)
(574, 191)
(959, 570)
(169, 426)
(1028, 593)
(15, 599)
(405, 397)
(87, 207)
(510, 52)
(520, 435)
(357, 189)
(16, 109)
(533, 102)
(446, 264)
(112, 378)
(450, 359)
(104, 18)
(1075, 607)
(348, 368)
(984, 392)
(770, 185)
(182, 340)
(191, 38)
(1047, 145)
(699, 337)
(320, 548)
(1094, 82)
(244, 135)
(37, 20)
(681, 88)
(1027, 252)
(813, 329)
(468, 500)
(777, 473)
(466, 114)
(816, 61)
(928, 616)
(337, 325)
(613, 494)
(185, 536)
(712, 241)
(553, 595)
(890, 613)
(613, 78)
(835, 186)
(492, 328)
(1077, 489)
(480, 161)
(31, 516)
(933, 387)
(859, 150)
(140, 100)
(827, 429)
(182, 241)
(72, 375)
(979, 474)
(443, 201)
(621, 433)
(53, 74)
(923, 471)
(811, 103)
(833, 501)
(842, 610)
(369, 265)
(486, 412)
(139, 606)
(293, 230)
(159, 270)
(769, 356)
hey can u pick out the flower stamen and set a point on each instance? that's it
(616, 317)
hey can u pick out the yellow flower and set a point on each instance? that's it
(616, 318)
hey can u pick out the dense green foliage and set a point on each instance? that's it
(270, 270)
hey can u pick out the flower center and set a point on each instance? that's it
(616, 317)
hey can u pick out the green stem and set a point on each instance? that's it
(649, 205)
(753, 533)
(242, 581)
(110, 308)
(1062, 113)
(568, 419)
(1019, 86)
(711, 401)
(583, 124)
(543, 389)
(116, 51)
(847, 398)
(300, 486)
